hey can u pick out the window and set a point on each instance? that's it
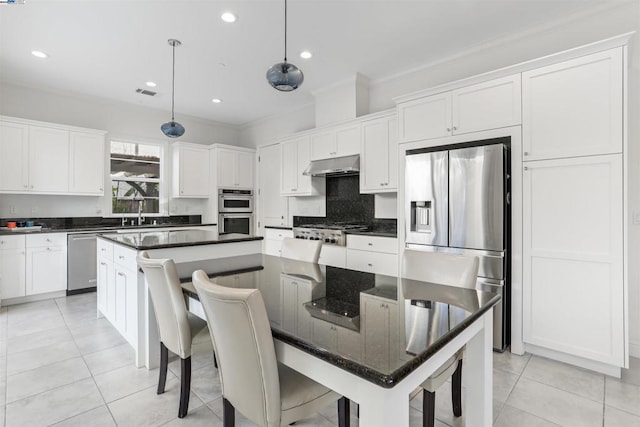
(135, 178)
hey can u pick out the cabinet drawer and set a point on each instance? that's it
(373, 243)
(104, 249)
(47, 239)
(276, 233)
(125, 257)
(12, 242)
(372, 262)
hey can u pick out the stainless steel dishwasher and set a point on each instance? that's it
(81, 263)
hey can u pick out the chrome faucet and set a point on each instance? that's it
(140, 208)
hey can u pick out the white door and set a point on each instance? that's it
(87, 157)
(272, 207)
(573, 108)
(48, 160)
(46, 269)
(12, 273)
(425, 118)
(14, 160)
(573, 293)
(226, 168)
(244, 169)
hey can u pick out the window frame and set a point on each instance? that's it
(163, 182)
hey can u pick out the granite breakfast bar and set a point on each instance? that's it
(123, 296)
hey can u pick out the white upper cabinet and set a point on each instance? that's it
(46, 158)
(190, 171)
(335, 142)
(295, 159)
(14, 161)
(488, 105)
(87, 158)
(574, 108)
(379, 156)
(235, 168)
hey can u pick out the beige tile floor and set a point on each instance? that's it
(60, 365)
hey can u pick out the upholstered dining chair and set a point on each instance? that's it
(443, 269)
(253, 382)
(301, 250)
(176, 325)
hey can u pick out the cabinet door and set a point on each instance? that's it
(87, 158)
(272, 207)
(244, 170)
(573, 293)
(131, 308)
(289, 168)
(573, 108)
(289, 312)
(376, 335)
(347, 141)
(12, 272)
(48, 160)
(425, 118)
(378, 159)
(304, 158)
(193, 172)
(348, 343)
(488, 105)
(324, 334)
(120, 309)
(105, 275)
(14, 161)
(227, 161)
(46, 269)
(323, 145)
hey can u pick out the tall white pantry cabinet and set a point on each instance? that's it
(573, 210)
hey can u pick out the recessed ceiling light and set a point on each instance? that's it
(38, 54)
(228, 17)
(216, 100)
(305, 54)
(151, 84)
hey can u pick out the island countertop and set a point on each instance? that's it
(145, 240)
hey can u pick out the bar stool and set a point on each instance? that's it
(301, 250)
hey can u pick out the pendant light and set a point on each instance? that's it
(285, 76)
(173, 129)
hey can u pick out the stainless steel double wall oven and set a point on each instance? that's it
(235, 211)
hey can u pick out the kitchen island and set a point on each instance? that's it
(123, 296)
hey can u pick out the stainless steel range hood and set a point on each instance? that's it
(334, 165)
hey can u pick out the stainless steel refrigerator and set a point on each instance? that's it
(457, 200)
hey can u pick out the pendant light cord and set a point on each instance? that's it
(173, 81)
(285, 30)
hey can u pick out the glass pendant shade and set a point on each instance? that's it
(285, 76)
(172, 129)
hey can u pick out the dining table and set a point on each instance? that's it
(369, 337)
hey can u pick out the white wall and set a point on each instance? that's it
(120, 120)
(612, 19)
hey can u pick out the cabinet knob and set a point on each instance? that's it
(526, 153)
(47, 239)
(26, 186)
(32, 187)
(120, 257)
(120, 273)
(48, 249)
(1, 242)
(370, 265)
(103, 263)
(455, 128)
(448, 129)
(526, 168)
(370, 244)
(293, 189)
(100, 189)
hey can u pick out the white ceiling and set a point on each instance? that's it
(108, 48)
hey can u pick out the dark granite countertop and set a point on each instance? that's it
(144, 240)
(95, 228)
(423, 317)
(278, 227)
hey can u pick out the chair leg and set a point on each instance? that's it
(164, 361)
(428, 408)
(228, 414)
(456, 390)
(215, 360)
(185, 386)
(344, 417)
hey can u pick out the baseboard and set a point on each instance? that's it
(32, 298)
(603, 368)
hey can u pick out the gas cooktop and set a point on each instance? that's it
(328, 233)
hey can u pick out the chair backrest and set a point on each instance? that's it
(244, 348)
(168, 303)
(440, 268)
(300, 249)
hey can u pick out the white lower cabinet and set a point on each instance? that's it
(373, 254)
(332, 337)
(573, 284)
(118, 288)
(46, 263)
(295, 292)
(12, 266)
(379, 323)
(273, 240)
